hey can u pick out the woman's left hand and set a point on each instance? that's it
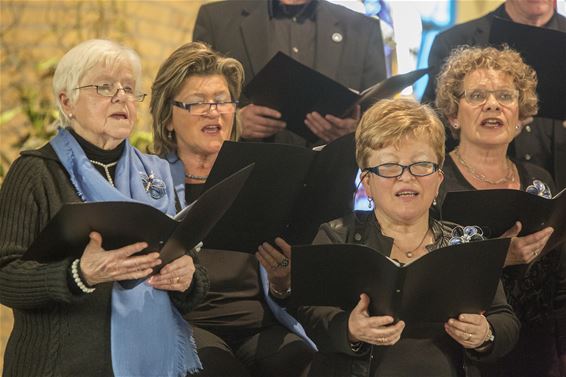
(175, 276)
(525, 249)
(470, 330)
(277, 263)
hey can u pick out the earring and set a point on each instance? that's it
(456, 125)
(517, 127)
(434, 202)
(370, 202)
(70, 115)
(169, 134)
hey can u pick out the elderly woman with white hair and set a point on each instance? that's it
(71, 318)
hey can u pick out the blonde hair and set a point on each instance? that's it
(465, 60)
(79, 60)
(391, 121)
(190, 59)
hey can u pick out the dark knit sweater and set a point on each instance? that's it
(56, 332)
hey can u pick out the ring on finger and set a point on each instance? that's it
(284, 263)
(468, 337)
(177, 279)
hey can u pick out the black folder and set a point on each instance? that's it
(495, 211)
(545, 51)
(295, 90)
(440, 285)
(124, 223)
(291, 191)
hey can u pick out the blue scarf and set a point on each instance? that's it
(280, 313)
(148, 336)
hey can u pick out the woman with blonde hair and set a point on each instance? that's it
(400, 150)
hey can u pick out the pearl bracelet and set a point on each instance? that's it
(280, 294)
(77, 279)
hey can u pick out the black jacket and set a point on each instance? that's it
(239, 28)
(328, 326)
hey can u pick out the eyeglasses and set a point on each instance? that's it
(201, 108)
(477, 97)
(107, 90)
(394, 170)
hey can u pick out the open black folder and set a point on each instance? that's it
(501, 208)
(295, 90)
(545, 51)
(440, 285)
(291, 191)
(124, 223)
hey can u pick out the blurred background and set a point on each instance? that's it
(35, 34)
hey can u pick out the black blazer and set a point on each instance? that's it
(239, 28)
(328, 326)
(543, 142)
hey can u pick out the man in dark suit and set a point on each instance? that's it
(542, 142)
(343, 45)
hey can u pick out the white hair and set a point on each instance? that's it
(79, 60)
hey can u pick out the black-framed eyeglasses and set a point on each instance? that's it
(201, 108)
(107, 90)
(394, 170)
(477, 97)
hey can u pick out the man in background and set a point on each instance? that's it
(341, 44)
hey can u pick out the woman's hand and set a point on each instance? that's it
(470, 330)
(373, 330)
(523, 250)
(100, 266)
(175, 276)
(276, 263)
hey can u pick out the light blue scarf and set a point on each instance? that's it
(148, 336)
(286, 319)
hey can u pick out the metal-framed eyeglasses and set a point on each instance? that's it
(394, 170)
(201, 108)
(477, 97)
(107, 90)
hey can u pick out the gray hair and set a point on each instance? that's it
(79, 60)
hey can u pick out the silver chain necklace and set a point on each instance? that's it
(106, 171)
(510, 177)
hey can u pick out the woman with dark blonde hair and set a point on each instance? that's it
(485, 93)
(400, 150)
(237, 328)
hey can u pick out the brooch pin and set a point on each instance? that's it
(466, 234)
(155, 187)
(539, 188)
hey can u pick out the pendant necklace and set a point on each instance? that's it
(410, 253)
(106, 168)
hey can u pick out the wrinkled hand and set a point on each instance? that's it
(99, 265)
(259, 122)
(329, 127)
(523, 250)
(175, 276)
(373, 330)
(276, 263)
(470, 330)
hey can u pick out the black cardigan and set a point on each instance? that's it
(56, 331)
